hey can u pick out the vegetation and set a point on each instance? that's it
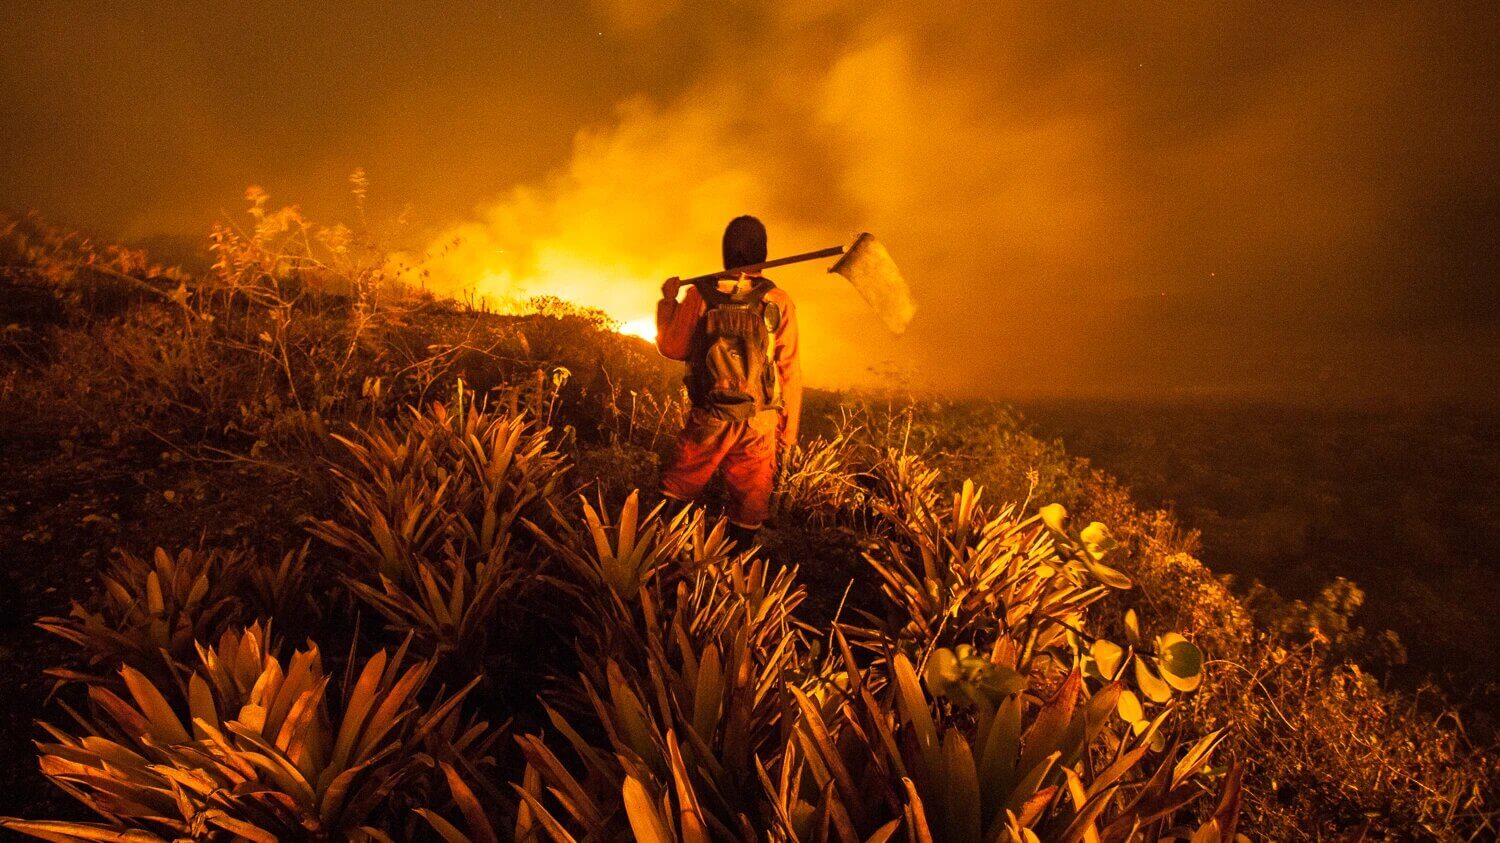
(536, 651)
(1293, 497)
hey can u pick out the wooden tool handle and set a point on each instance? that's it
(756, 267)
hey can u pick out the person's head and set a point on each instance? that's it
(744, 242)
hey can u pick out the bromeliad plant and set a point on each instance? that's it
(429, 507)
(959, 574)
(260, 750)
(678, 734)
(284, 590)
(615, 555)
(606, 565)
(820, 482)
(153, 611)
(875, 758)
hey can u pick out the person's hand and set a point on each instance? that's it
(670, 287)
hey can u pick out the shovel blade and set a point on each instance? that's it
(868, 266)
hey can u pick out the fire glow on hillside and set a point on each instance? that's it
(594, 237)
(645, 328)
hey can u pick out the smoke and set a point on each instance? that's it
(1090, 203)
(646, 195)
(1090, 199)
(821, 145)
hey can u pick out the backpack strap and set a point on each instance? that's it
(714, 297)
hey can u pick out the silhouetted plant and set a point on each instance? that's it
(260, 750)
(153, 612)
(428, 510)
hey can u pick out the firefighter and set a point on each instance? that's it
(738, 336)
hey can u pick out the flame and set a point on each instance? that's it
(644, 327)
(642, 199)
(602, 233)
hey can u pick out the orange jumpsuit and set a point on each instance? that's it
(746, 450)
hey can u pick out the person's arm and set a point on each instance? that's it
(675, 320)
(789, 368)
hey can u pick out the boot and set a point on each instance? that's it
(743, 537)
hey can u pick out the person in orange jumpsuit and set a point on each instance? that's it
(738, 337)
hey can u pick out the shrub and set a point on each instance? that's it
(678, 712)
(426, 526)
(991, 773)
(260, 750)
(153, 612)
(695, 711)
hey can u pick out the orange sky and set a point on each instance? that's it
(1242, 199)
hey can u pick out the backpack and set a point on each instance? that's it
(732, 365)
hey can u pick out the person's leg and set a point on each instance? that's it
(695, 457)
(749, 470)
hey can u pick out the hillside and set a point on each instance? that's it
(383, 610)
(1402, 500)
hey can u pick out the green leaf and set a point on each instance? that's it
(1108, 656)
(942, 671)
(162, 722)
(1150, 684)
(1181, 662)
(630, 718)
(1045, 734)
(914, 707)
(1097, 540)
(60, 830)
(1105, 574)
(1001, 751)
(645, 820)
(708, 695)
(1195, 758)
(1207, 833)
(1095, 716)
(960, 802)
(479, 825)
(998, 682)
(1053, 515)
(446, 830)
(689, 812)
(201, 705)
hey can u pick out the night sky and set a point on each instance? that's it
(1294, 201)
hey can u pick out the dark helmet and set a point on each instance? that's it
(744, 242)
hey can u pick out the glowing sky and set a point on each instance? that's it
(1098, 199)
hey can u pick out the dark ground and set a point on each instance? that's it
(1403, 501)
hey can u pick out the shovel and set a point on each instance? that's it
(866, 265)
